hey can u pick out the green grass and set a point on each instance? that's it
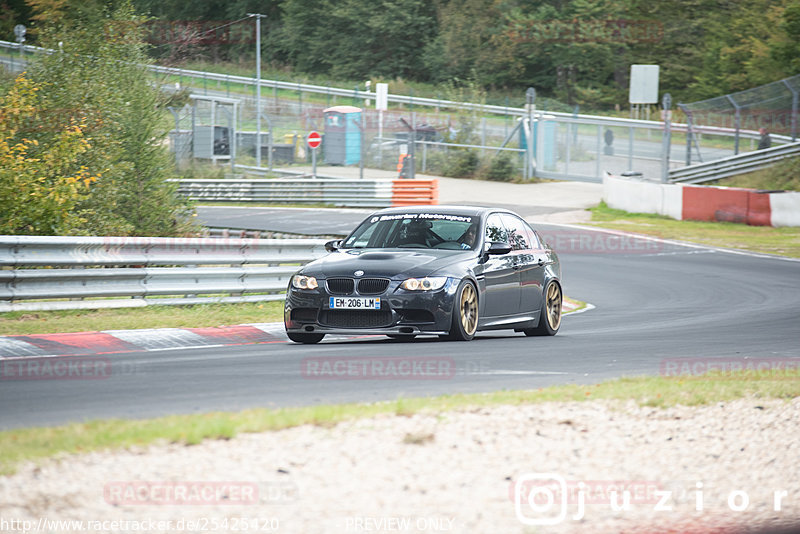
(33, 444)
(764, 239)
(784, 176)
(197, 316)
(579, 304)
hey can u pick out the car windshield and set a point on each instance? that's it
(416, 230)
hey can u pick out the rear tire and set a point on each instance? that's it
(307, 339)
(464, 322)
(550, 316)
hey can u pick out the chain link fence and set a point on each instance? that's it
(465, 139)
(452, 142)
(773, 107)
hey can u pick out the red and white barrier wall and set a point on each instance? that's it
(703, 203)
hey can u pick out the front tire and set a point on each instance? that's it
(550, 316)
(464, 322)
(307, 339)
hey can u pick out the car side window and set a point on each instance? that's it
(495, 231)
(517, 232)
(533, 237)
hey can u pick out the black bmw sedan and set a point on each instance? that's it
(449, 271)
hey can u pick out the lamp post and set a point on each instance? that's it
(258, 17)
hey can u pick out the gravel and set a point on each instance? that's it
(450, 472)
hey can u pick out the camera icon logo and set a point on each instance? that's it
(536, 496)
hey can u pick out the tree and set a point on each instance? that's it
(473, 42)
(358, 39)
(40, 183)
(99, 81)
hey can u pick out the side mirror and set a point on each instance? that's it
(333, 246)
(498, 248)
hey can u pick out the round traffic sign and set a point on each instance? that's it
(19, 31)
(314, 139)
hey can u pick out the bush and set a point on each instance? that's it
(452, 163)
(462, 164)
(41, 182)
(501, 169)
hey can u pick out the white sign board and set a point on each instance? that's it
(644, 84)
(381, 96)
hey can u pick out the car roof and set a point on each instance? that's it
(443, 209)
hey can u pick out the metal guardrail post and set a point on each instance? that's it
(689, 133)
(630, 149)
(794, 108)
(177, 129)
(363, 152)
(599, 150)
(667, 141)
(530, 160)
(738, 123)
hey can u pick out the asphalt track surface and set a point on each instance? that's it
(655, 302)
(285, 220)
(297, 220)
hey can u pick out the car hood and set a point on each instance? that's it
(389, 263)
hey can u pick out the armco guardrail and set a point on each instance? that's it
(52, 273)
(342, 192)
(733, 165)
(376, 193)
(411, 192)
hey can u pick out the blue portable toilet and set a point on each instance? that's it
(342, 142)
(545, 153)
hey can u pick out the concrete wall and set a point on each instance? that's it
(639, 196)
(703, 203)
(785, 208)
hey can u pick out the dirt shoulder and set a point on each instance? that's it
(449, 472)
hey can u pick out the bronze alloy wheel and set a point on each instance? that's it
(550, 315)
(469, 310)
(554, 306)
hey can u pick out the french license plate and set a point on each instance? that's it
(354, 303)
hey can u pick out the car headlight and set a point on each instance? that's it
(300, 281)
(429, 283)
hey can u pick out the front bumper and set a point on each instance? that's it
(402, 312)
